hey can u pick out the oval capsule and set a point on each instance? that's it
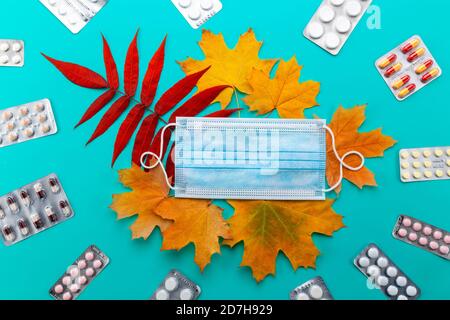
(407, 47)
(23, 227)
(387, 61)
(430, 75)
(400, 82)
(407, 91)
(416, 54)
(392, 70)
(8, 233)
(12, 204)
(424, 66)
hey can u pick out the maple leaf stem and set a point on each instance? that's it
(237, 101)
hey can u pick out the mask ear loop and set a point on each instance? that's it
(158, 157)
(342, 162)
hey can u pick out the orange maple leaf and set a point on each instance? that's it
(268, 227)
(194, 221)
(283, 93)
(345, 125)
(148, 191)
(228, 66)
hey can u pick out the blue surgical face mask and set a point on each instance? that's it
(268, 159)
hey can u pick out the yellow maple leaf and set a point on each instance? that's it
(270, 227)
(194, 221)
(148, 191)
(228, 66)
(283, 93)
(345, 125)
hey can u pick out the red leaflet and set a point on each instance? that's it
(144, 137)
(178, 92)
(222, 113)
(110, 65)
(127, 129)
(110, 117)
(153, 75)
(197, 103)
(132, 68)
(79, 75)
(97, 105)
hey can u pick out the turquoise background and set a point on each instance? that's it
(28, 269)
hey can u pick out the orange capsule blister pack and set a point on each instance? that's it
(408, 68)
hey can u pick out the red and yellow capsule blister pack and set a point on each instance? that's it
(408, 68)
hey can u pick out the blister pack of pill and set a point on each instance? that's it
(176, 287)
(423, 235)
(32, 209)
(198, 12)
(314, 289)
(12, 53)
(385, 275)
(80, 274)
(334, 21)
(425, 164)
(408, 68)
(26, 122)
(74, 14)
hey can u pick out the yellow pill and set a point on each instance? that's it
(448, 173)
(428, 174)
(417, 175)
(439, 173)
(438, 153)
(405, 154)
(417, 164)
(427, 164)
(426, 153)
(448, 163)
(406, 175)
(448, 152)
(416, 154)
(405, 165)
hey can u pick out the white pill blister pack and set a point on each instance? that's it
(423, 235)
(334, 21)
(80, 274)
(176, 287)
(26, 122)
(385, 275)
(32, 209)
(425, 164)
(314, 289)
(74, 14)
(408, 68)
(12, 53)
(198, 12)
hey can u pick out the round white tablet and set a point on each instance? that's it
(302, 296)
(401, 281)
(392, 291)
(326, 14)
(17, 59)
(194, 14)
(364, 262)
(4, 47)
(373, 253)
(343, 25)
(392, 272)
(17, 46)
(184, 3)
(4, 59)
(315, 30)
(332, 41)
(162, 295)
(353, 8)
(411, 291)
(373, 271)
(171, 283)
(337, 3)
(316, 292)
(382, 262)
(186, 294)
(206, 5)
(382, 281)
(402, 297)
